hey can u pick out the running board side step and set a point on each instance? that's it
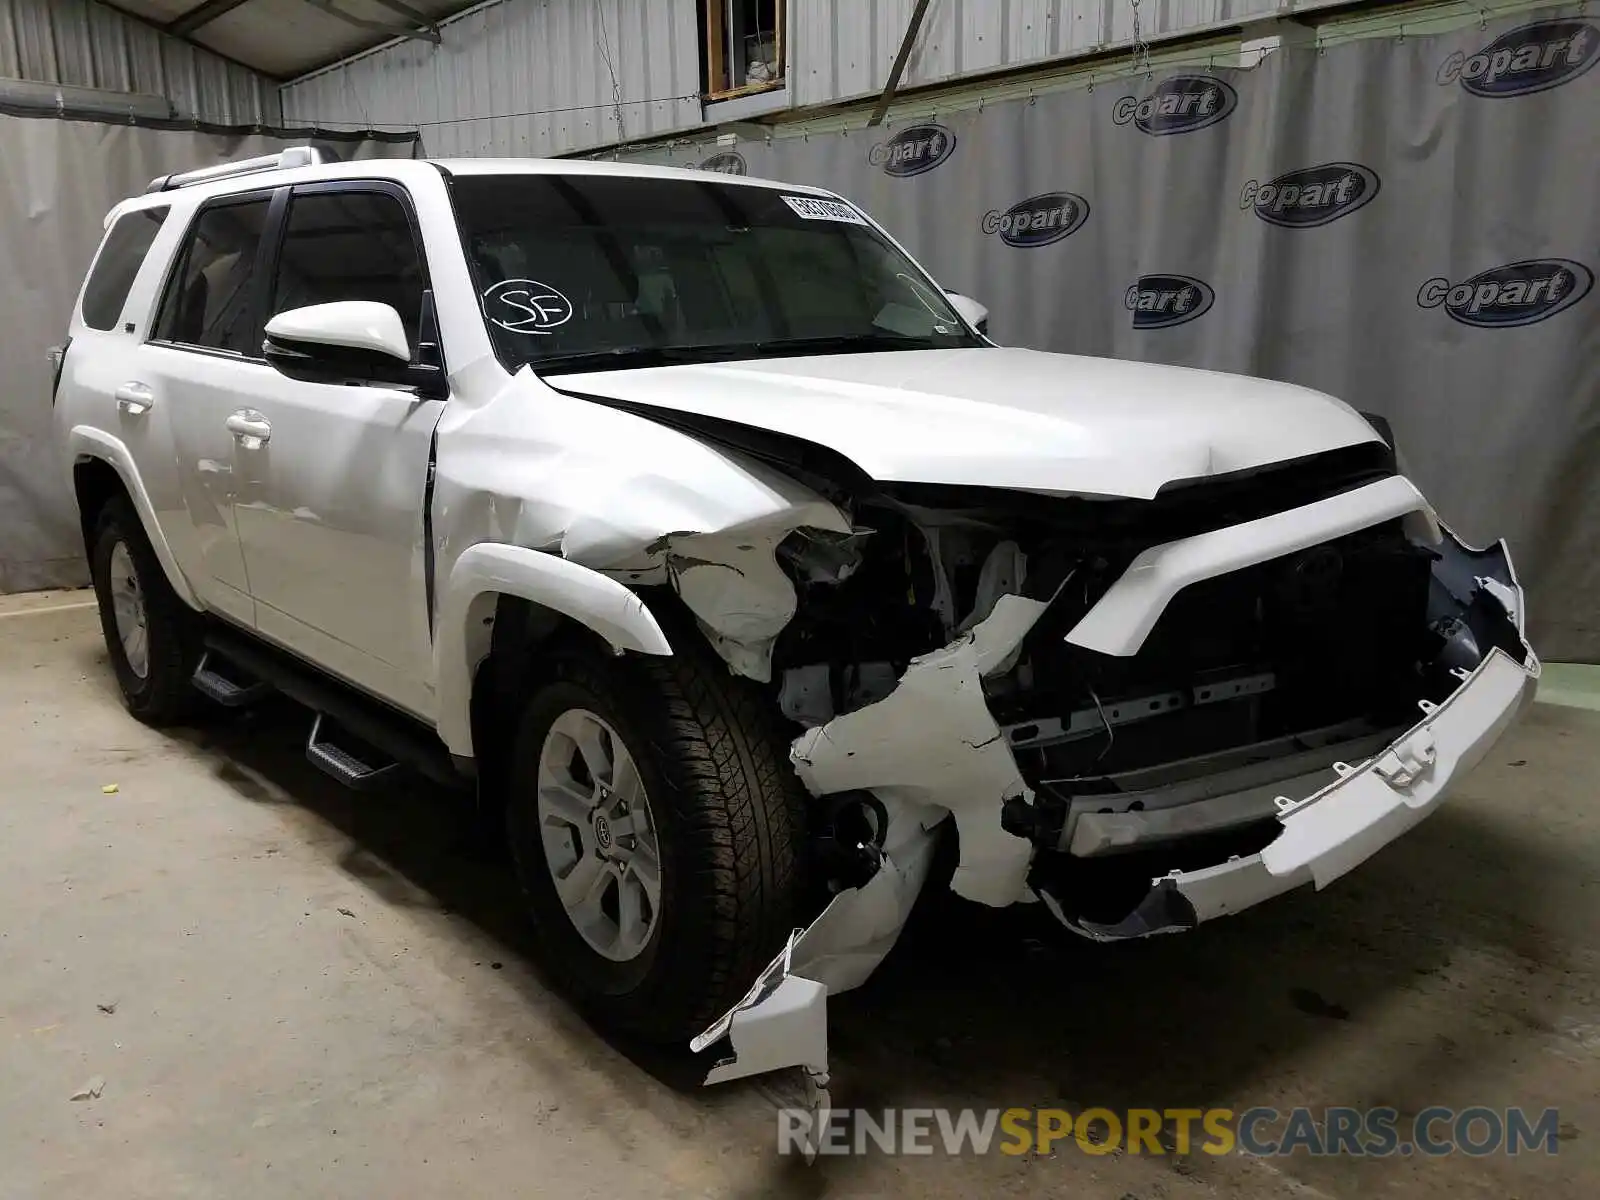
(215, 684)
(392, 735)
(344, 765)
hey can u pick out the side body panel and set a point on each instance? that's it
(330, 518)
(137, 440)
(332, 504)
(606, 494)
(198, 392)
(85, 442)
(185, 371)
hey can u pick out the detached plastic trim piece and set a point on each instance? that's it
(1126, 614)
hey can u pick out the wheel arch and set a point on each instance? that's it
(102, 468)
(492, 586)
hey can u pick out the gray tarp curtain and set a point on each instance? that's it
(1410, 224)
(58, 179)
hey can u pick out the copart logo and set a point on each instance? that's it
(913, 150)
(1518, 293)
(1038, 220)
(1530, 58)
(526, 306)
(1311, 196)
(1179, 104)
(1162, 301)
(729, 162)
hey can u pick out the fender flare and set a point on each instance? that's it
(489, 570)
(84, 441)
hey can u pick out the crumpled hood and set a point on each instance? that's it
(1019, 419)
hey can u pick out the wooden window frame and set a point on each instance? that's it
(716, 59)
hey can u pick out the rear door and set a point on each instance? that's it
(331, 511)
(202, 363)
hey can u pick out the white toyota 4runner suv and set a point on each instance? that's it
(716, 553)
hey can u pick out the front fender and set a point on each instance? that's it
(489, 570)
(84, 441)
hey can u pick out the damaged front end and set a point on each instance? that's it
(1143, 713)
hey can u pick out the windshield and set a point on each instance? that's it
(586, 272)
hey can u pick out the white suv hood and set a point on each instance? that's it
(1019, 419)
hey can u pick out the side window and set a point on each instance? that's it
(119, 261)
(210, 301)
(347, 245)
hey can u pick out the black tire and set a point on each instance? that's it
(729, 814)
(164, 695)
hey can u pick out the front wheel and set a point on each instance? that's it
(656, 826)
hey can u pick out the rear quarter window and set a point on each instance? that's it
(111, 277)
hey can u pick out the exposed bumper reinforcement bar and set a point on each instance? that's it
(1336, 829)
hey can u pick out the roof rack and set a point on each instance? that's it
(294, 156)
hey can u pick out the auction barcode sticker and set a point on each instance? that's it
(813, 209)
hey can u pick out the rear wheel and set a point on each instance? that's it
(656, 826)
(152, 637)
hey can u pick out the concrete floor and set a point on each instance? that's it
(314, 995)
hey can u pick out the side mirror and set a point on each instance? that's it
(971, 311)
(348, 341)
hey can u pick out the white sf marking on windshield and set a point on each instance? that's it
(526, 306)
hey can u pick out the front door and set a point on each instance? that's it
(334, 481)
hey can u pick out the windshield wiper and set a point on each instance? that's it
(623, 358)
(855, 343)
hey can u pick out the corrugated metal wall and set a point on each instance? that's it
(845, 48)
(88, 45)
(546, 58)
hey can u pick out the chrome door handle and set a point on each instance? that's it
(249, 426)
(135, 399)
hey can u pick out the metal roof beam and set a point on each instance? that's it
(428, 31)
(200, 14)
(913, 27)
(420, 19)
(159, 27)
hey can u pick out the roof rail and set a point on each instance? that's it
(294, 156)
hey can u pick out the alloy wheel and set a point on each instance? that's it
(599, 836)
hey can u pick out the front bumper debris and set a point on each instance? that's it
(958, 764)
(782, 1021)
(1336, 829)
(1371, 803)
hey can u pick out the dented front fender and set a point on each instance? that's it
(489, 570)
